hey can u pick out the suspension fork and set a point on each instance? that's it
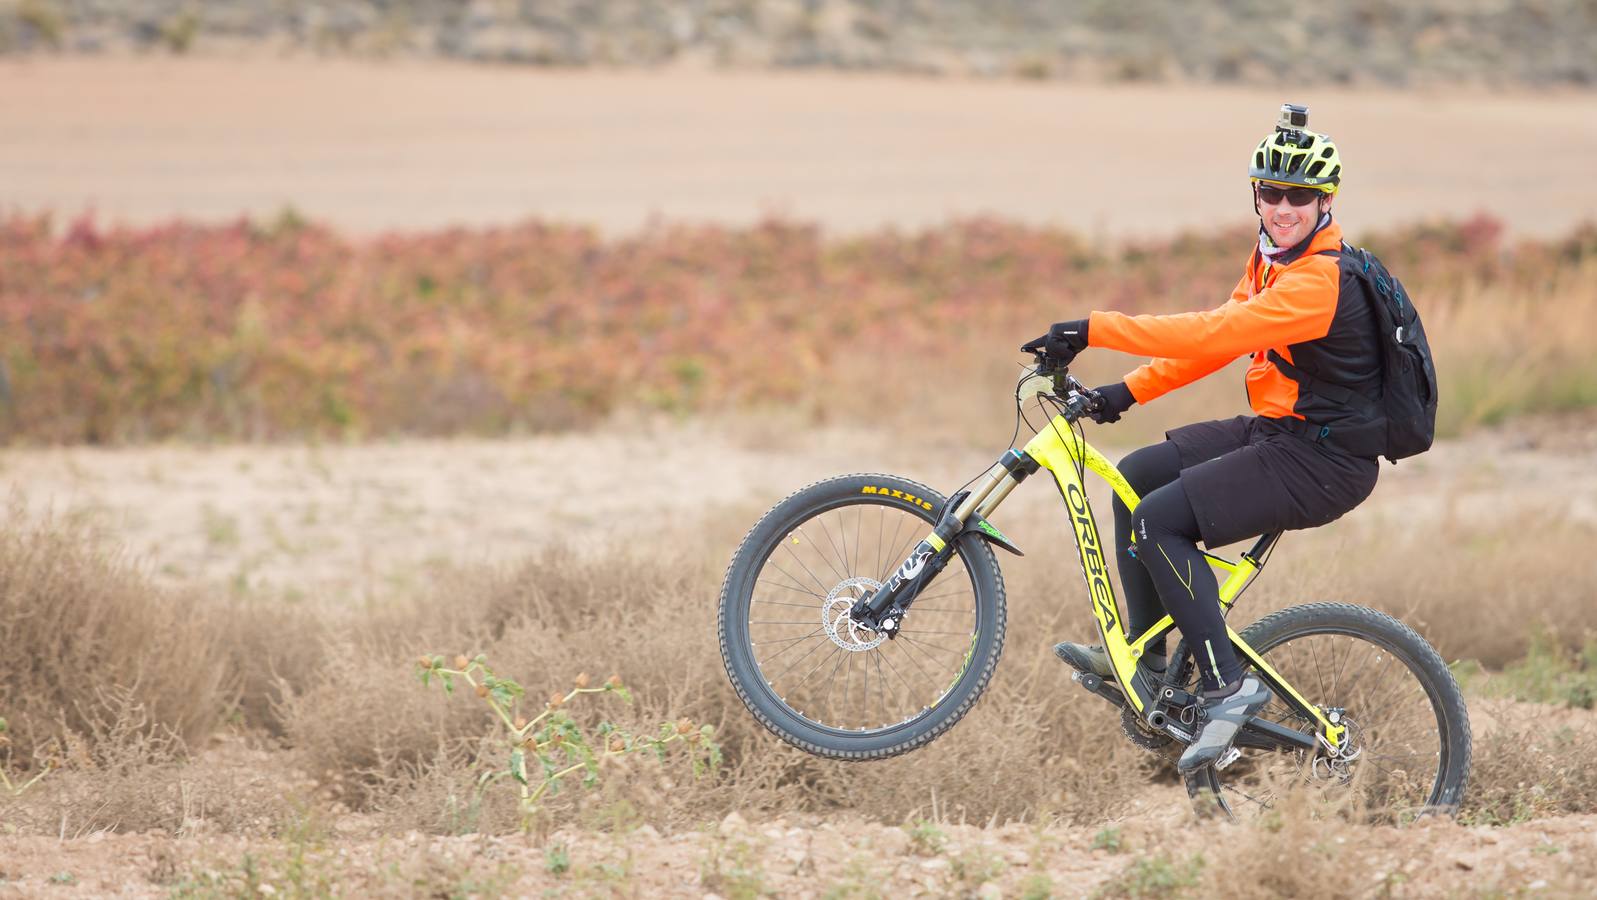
(965, 513)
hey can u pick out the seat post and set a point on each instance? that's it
(1260, 547)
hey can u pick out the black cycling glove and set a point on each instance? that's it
(1062, 342)
(1116, 400)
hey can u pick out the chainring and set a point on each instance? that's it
(1139, 733)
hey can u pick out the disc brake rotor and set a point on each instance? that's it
(844, 631)
(1340, 766)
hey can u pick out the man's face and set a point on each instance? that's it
(1286, 223)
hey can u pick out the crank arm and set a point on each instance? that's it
(1262, 734)
(1098, 685)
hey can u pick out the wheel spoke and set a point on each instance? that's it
(790, 588)
(787, 640)
(822, 554)
(911, 657)
(819, 583)
(799, 660)
(840, 549)
(890, 561)
(927, 645)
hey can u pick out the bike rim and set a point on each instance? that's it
(835, 676)
(1397, 746)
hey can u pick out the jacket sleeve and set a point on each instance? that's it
(1298, 307)
(1161, 376)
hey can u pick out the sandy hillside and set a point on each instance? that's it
(419, 145)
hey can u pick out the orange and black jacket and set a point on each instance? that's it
(1301, 307)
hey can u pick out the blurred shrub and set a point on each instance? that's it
(246, 331)
(94, 653)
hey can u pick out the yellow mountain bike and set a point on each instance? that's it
(853, 632)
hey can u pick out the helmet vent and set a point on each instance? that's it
(1315, 168)
(1335, 172)
(1326, 153)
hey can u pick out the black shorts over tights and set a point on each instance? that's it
(1251, 475)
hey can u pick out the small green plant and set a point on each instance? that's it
(925, 838)
(859, 882)
(733, 872)
(544, 750)
(221, 529)
(1039, 886)
(1550, 672)
(975, 867)
(178, 32)
(63, 878)
(1108, 839)
(16, 788)
(557, 859)
(45, 19)
(1153, 876)
(1391, 884)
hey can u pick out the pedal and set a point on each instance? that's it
(1227, 758)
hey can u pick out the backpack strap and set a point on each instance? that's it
(1343, 395)
(1336, 392)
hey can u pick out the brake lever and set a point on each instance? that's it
(1080, 400)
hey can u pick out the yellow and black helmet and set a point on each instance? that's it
(1296, 156)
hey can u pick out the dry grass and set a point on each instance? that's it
(1476, 589)
(1530, 762)
(126, 682)
(84, 631)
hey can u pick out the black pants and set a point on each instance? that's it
(1220, 482)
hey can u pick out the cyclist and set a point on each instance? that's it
(1302, 460)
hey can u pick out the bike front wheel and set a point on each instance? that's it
(1407, 751)
(825, 684)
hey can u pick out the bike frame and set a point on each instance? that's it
(1066, 459)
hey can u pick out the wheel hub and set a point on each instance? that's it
(1338, 762)
(840, 627)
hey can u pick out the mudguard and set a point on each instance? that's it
(986, 530)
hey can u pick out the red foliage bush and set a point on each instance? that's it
(250, 331)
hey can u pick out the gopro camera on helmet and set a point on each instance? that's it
(1294, 120)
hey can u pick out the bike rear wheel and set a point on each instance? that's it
(824, 684)
(1408, 749)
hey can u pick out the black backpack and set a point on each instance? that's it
(1408, 382)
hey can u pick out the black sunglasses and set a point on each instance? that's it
(1298, 196)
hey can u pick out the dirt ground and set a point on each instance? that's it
(801, 858)
(348, 522)
(345, 524)
(413, 145)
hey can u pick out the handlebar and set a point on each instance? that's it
(1077, 398)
